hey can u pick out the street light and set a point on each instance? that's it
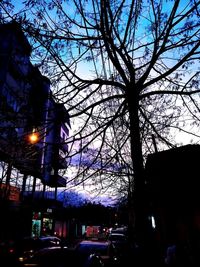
(33, 137)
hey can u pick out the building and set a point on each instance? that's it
(173, 186)
(28, 108)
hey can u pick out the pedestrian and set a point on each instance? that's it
(170, 257)
(179, 252)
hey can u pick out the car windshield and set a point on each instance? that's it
(27, 244)
(117, 238)
(50, 241)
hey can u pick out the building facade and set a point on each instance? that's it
(173, 185)
(28, 108)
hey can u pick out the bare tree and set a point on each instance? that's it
(126, 70)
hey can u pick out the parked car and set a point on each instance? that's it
(102, 249)
(48, 257)
(121, 245)
(25, 248)
(117, 237)
(60, 257)
(6, 249)
(49, 241)
(120, 230)
(119, 240)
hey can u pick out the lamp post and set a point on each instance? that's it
(32, 138)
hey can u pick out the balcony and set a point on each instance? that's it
(57, 181)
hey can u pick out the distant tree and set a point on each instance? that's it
(126, 70)
(96, 214)
(71, 198)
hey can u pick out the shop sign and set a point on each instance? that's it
(10, 192)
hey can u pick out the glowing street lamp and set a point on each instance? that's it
(33, 137)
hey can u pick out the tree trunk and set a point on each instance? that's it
(137, 199)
